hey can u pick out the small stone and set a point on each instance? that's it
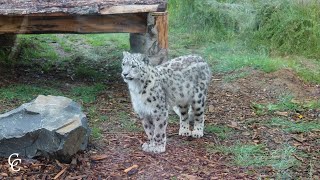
(132, 172)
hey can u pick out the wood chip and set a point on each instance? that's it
(130, 168)
(78, 177)
(4, 174)
(99, 157)
(246, 133)
(60, 173)
(188, 177)
(211, 108)
(281, 113)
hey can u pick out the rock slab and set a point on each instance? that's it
(50, 126)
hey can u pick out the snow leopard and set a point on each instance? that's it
(180, 84)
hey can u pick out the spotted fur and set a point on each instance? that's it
(180, 84)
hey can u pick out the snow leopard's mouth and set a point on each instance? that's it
(128, 78)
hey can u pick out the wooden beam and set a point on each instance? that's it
(161, 22)
(121, 9)
(131, 23)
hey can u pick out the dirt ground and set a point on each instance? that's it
(118, 154)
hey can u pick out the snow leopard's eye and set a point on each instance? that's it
(133, 66)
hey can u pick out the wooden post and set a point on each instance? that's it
(161, 22)
(153, 43)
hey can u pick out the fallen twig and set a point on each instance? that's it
(130, 168)
(60, 173)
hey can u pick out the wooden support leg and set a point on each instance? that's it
(154, 42)
(8, 46)
(7, 40)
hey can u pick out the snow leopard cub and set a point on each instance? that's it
(181, 83)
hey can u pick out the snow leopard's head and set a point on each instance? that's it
(134, 66)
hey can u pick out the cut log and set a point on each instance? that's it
(132, 23)
(80, 7)
(131, 9)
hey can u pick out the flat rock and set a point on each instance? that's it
(50, 126)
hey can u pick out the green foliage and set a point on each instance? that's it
(294, 127)
(267, 27)
(288, 27)
(87, 94)
(210, 20)
(223, 132)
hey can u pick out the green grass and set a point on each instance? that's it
(87, 94)
(126, 123)
(250, 155)
(294, 126)
(37, 47)
(235, 76)
(286, 103)
(232, 35)
(222, 132)
(96, 132)
(25, 93)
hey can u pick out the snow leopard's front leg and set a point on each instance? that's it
(148, 126)
(158, 142)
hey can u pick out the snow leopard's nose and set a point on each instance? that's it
(125, 74)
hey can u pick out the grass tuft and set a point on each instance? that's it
(294, 127)
(25, 93)
(126, 123)
(251, 155)
(222, 132)
(87, 94)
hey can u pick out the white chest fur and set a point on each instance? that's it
(139, 101)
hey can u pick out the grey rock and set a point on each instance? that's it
(50, 126)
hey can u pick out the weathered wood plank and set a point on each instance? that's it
(78, 7)
(161, 21)
(129, 9)
(132, 23)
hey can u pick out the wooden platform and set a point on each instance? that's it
(76, 16)
(146, 17)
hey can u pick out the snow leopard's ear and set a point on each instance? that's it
(125, 53)
(145, 59)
